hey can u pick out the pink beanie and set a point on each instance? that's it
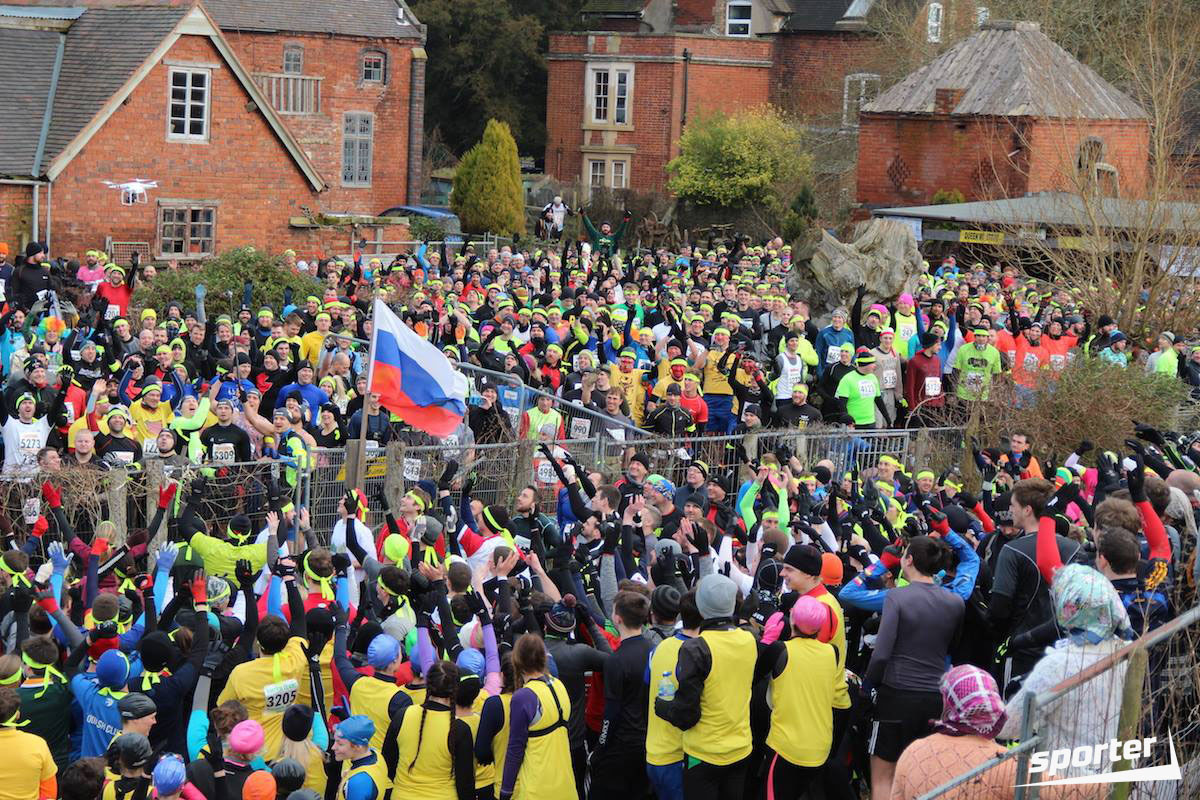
(246, 737)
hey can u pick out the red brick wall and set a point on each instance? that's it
(810, 69)
(696, 12)
(657, 102)
(16, 216)
(905, 160)
(243, 166)
(1056, 145)
(338, 61)
(985, 158)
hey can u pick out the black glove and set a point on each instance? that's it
(340, 617)
(1083, 448)
(380, 498)
(1135, 478)
(282, 570)
(448, 474)
(341, 563)
(243, 570)
(612, 537)
(217, 649)
(22, 599)
(1149, 434)
(967, 500)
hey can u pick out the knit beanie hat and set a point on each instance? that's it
(560, 617)
(664, 602)
(716, 596)
(297, 722)
(156, 650)
(289, 775)
(259, 786)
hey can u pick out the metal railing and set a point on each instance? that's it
(291, 94)
(1147, 688)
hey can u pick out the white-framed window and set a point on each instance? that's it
(619, 169)
(933, 22)
(188, 108)
(610, 94)
(737, 17)
(293, 59)
(858, 89)
(358, 141)
(596, 170)
(186, 230)
(981, 15)
(373, 67)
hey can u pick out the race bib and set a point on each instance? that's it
(412, 469)
(223, 451)
(545, 472)
(866, 388)
(150, 446)
(70, 412)
(31, 510)
(888, 379)
(123, 456)
(111, 312)
(617, 433)
(29, 444)
(832, 354)
(581, 428)
(1031, 361)
(933, 386)
(278, 696)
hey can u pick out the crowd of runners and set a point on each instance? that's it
(770, 628)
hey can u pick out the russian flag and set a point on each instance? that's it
(413, 378)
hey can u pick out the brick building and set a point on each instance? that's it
(247, 115)
(1003, 113)
(620, 95)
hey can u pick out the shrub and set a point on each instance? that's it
(487, 193)
(754, 157)
(223, 277)
(947, 196)
(426, 229)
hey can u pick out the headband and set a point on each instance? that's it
(327, 592)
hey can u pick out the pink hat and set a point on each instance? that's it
(907, 299)
(246, 737)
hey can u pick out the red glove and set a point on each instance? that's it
(48, 603)
(40, 527)
(99, 545)
(199, 590)
(53, 496)
(166, 494)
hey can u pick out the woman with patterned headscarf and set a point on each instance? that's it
(1094, 624)
(972, 714)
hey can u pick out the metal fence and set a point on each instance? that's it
(498, 471)
(1146, 689)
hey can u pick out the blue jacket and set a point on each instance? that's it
(865, 591)
(101, 719)
(828, 338)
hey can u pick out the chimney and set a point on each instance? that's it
(946, 100)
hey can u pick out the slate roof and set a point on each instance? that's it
(815, 15)
(26, 65)
(1009, 69)
(371, 18)
(103, 49)
(613, 7)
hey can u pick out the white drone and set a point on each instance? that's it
(133, 191)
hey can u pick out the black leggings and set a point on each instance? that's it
(786, 781)
(704, 781)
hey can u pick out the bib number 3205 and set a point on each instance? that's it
(278, 696)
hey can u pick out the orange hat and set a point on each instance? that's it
(259, 786)
(831, 569)
(3, 248)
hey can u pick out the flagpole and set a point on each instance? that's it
(360, 454)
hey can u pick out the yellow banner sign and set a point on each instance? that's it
(981, 237)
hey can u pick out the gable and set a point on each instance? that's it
(74, 131)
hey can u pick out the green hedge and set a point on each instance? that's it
(223, 277)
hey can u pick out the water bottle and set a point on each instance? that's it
(666, 686)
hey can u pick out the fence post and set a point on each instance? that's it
(118, 492)
(393, 479)
(1131, 713)
(522, 469)
(1031, 708)
(154, 479)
